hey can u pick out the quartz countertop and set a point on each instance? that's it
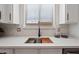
(18, 42)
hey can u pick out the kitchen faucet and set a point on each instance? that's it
(39, 33)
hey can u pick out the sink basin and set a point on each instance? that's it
(33, 40)
(38, 40)
(45, 40)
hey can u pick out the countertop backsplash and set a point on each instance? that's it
(14, 30)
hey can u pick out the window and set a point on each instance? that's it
(46, 12)
(36, 12)
(32, 13)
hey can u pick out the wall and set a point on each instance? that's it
(32, 30)
(74, 30)
(64, 29)
(12, 31)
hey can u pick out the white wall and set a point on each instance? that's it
(74, 30)
(32, 30)
(12, 31)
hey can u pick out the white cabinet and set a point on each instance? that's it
(38, 51)
(9, 13)
(62, 14)
(5, 13)
(50, 51)
(12, 13)
(68, 13)
(72, 11)
(2, 14)
(26, 51)
(31, 51)
(15, 14)
(6, 51)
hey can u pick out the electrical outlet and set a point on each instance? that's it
(18, 29)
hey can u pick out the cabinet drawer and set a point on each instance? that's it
(26, 51)
(50, 51)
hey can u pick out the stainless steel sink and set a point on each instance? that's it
(33, 40)
(38, 40)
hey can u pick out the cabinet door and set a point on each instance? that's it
(8, 13)
(50, 51)
(5, 13)
(46, 13)
(72, 13)
(26, 51)
(62, 14)
(6, 51)
(2, 14)
(15, 14)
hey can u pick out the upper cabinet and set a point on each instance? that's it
(62, 14)
(39, 12)
(2, 13)
(68, 13)
(15, 14)
(72, 13)
(9, 13)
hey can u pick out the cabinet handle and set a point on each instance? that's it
(0, 15)
(67, 16)
(10, 16)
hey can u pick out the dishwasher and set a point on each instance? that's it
(70, 51)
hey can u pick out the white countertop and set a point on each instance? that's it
(18, 42)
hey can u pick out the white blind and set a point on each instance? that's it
(46, 12)
(36, 12)
(32, 13)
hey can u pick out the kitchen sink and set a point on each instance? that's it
(38, 40)
(33, 40)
